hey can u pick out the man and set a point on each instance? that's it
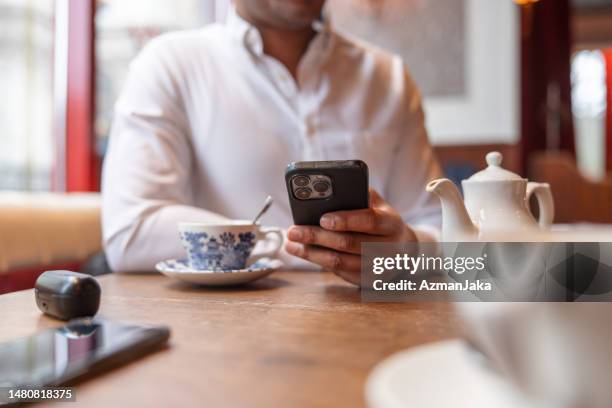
(209, 119)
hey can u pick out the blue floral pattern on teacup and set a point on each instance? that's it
(221, 252)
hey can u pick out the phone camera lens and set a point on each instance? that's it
(303, 193)
(321, 186)
(301, 181)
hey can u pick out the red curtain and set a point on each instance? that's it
(608, 56)
(546, 116)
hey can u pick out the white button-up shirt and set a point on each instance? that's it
(207, 123)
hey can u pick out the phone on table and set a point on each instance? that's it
(319, 187)
(79, 349)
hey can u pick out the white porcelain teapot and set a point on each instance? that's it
(496, 205)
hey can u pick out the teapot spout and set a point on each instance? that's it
(456, 222)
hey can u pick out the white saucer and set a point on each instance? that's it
(180, 269)
(444, 374)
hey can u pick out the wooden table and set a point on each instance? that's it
(295, 338)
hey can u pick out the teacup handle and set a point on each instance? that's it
(272, 253)
(545, 202)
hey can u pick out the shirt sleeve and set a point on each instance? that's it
(147, 170)
(414, 164)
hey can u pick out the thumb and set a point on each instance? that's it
(375, 199)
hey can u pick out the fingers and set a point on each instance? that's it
(346, 266)
(337, 245)
(340, 241)
(379, 219)
(376, 199)
(329, 259)
(368, 221)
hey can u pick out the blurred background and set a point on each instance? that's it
(530, 78)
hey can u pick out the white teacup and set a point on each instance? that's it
(556, 353)
(227, 245)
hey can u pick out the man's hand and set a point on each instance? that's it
(336, 245)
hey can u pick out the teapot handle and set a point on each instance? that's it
(545, 202)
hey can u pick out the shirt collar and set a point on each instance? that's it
(249, 36)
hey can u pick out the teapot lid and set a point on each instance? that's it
(494, 171)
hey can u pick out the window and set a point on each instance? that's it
(26, 80)
(589, 110)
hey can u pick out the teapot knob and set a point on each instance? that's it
(494, 159)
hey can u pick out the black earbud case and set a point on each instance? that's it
(66, 295)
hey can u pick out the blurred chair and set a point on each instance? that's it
(42, 231)
(577, 199)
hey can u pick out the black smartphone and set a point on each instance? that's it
(75, 351)
(319, 187)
